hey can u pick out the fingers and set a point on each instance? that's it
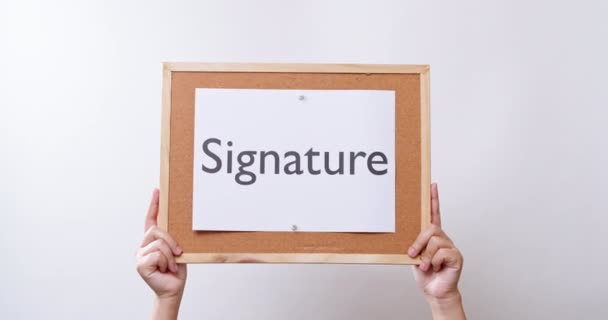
(163, 247)
(423, 239)
(155, 233)
(435, 244)
(157, 252)
(435, 210)
(151, 217)
(449, 257)
(151, 262)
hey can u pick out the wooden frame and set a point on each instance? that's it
(163, 217)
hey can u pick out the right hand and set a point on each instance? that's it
(441, 262)
(156, 258)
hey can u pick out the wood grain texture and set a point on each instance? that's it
(296, 258)
(425, 149)
(295, 67)
(165, 149)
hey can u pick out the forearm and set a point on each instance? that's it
(449, 308)
(165, 308)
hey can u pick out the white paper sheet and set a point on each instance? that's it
(294, 120)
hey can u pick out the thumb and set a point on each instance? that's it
(152, 211)
(182, 270)
(435, 210)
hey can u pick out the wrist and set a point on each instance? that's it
(448, 306)
(169, 301)
(170, 297)
(166, 307)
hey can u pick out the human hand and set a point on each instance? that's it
(156, 264)
(438, 274)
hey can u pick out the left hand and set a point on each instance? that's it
(439, 271)
(156, 258)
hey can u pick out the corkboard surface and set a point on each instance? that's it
(407, 152)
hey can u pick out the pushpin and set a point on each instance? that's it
(294, 227)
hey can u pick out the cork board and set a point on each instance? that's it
(412, 163)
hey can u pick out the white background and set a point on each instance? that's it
(519, 110)
(332, 121)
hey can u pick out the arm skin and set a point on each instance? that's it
(438, 274)
(156, 265)
(165, 308)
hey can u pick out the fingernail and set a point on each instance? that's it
(174, 267)
(411, 251)
(178, 250)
